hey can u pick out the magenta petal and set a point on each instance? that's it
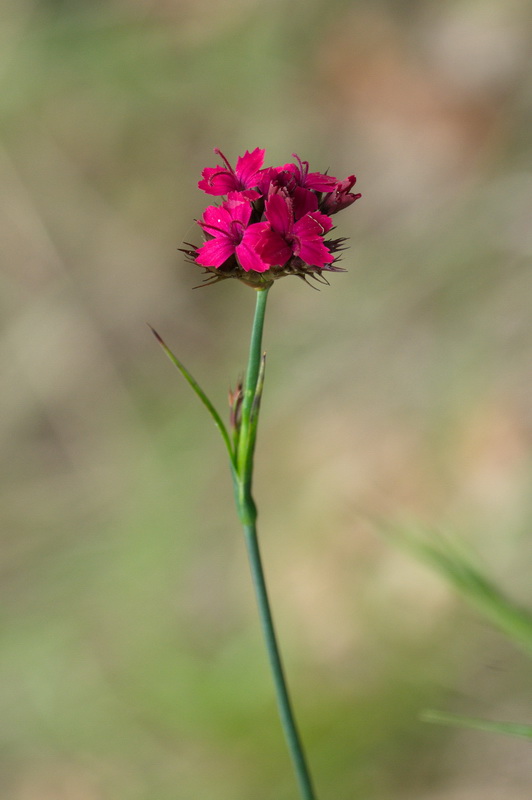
(310, 180)
(265, 179)
(248, 165)
(308, 228)
(279, 214)
(224, 182)
(250, 194)
(247, 250)
(217, 180)
(314, 253)
(273, 249)
(238, 207)
(254, 233)
(346, 185)
(304, 201)
(320, 182)
(323, 220)
(215, 252)
(205, 184)
(292, 169)
(216, 219)
(249, 258)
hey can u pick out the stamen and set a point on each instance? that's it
(226, 162)
(215, 175)
(303, 167)
(205, 226)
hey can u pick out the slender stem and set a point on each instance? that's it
(248, 514)
(286, 712)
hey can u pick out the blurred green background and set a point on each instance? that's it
(131, 661)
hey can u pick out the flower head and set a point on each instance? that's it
(273, 222)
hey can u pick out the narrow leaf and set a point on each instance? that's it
(200, 393)
(255, 407)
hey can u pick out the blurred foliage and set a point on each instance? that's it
(460, 571)
(131, 662)
(506, 728)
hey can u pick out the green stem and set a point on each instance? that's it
(286, 712)
(247, 512)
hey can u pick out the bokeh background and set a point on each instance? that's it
(131, 661)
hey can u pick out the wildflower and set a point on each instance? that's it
(273, 222)
(227, 224)
(284, 235)
(308, 180)
(221, 180)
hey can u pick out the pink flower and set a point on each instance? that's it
(285, 235)
(273, 222)
(244, 178)
(308, 180)
(341, 197)
(228, 226)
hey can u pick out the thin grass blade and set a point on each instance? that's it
(451, 561)
(456, 720)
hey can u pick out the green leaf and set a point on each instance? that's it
(201, 394)
(255, 407)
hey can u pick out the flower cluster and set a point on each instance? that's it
(273, 221)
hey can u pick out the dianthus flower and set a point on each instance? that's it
(285, 234)
(309, 180)
(228, 226)
(273, 223)
(246, 175)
